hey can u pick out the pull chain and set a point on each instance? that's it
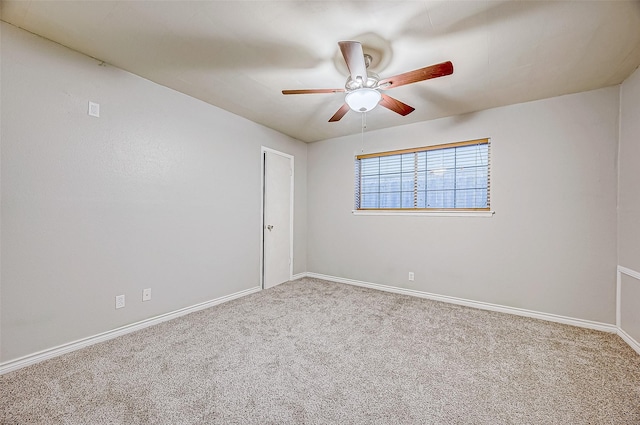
(364, 125)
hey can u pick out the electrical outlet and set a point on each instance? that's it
(119, 301)
(94, 109)
(146, 294)
(411, 276)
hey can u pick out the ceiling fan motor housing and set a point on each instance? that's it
(371, 82)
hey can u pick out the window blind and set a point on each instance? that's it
(450, 176)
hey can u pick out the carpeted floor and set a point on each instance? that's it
(317, 352)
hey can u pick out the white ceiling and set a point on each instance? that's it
(239, 55)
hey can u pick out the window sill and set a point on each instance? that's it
(427, 213)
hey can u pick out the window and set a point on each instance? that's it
(452, 176)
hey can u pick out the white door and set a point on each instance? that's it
(277, 219)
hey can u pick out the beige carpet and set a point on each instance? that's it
(317, 352)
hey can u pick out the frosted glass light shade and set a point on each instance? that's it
(363, 100)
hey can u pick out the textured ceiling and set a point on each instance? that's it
(239, 55)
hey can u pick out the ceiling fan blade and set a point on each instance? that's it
(426, 73)
(340, 113)
(354, 57)
(312, 91)
(395, 105)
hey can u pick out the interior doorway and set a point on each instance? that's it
(277, 217)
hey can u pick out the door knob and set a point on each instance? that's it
(269, 227)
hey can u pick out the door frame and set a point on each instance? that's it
(263, 151)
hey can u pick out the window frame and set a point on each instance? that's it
(481, 211)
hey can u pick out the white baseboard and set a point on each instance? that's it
(629, 340)
(104, 336)
(475, 304)
(623, 334)
(76, 345)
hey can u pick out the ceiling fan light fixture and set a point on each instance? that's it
(363, 100)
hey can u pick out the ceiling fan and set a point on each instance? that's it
(364, 87)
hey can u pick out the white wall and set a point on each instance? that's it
(551, 245)
(161, 191)
(629, 202)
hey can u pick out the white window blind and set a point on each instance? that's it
(451, 176)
